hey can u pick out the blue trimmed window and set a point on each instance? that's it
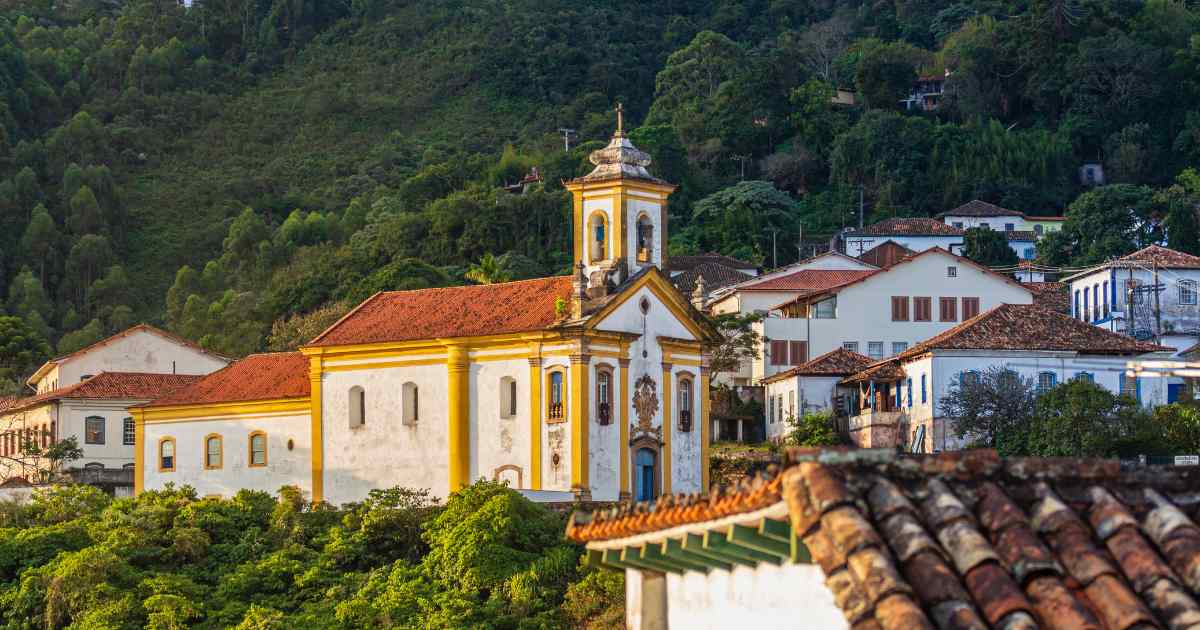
(924, 392)
(1046, 381)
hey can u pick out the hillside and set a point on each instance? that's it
(225, 171)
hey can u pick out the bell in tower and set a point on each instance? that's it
(620, 213)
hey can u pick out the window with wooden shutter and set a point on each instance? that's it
(949, 309)
(922, 309)
(899, 308)
(970, 307)
(779, 353)
(798, 352)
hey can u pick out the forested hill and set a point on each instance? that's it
(242, 171)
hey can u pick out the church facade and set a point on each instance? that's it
(593, 385)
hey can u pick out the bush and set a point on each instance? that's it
(1081, 419)
(812, 429)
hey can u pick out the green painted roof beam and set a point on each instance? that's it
(750, 538)
(653, 553)
(633, 556)
(674, 549)
(719, 542)
(779, 530)
(695, 544)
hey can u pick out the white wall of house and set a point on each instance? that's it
(1018, 223)
(139, 351)
(829, 260)
(285, 466)
(857, 244)
(864, 310)
(113, 452)
(1103, 294)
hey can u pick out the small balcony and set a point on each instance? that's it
(604, 411)
(685, 420)
(555, 411)
(878, 429)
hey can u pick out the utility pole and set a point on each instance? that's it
(566, 133)
(800, 245)
(860, 206)
(742, 159)
(774, 254)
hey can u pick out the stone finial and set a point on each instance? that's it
(700, 293)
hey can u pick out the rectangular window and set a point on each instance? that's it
(851, 346)
(947, 309)
(924, 391)
(1129, 386)
(798, 352)
(779, 353)
(1046, 381)
(1009, 227)
(875, 349)
(258, 449)
(970, 307)
(899, 346)
(958, 224)
(1187, 292)
(792, 403)
(951, 272)
(127, 432)
(899, 308)
(922, 309)
(93, 430)
(825, 309)
(512, 398)
(985, 225)
(909, 392)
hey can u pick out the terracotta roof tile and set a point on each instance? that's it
(839, 362)
(715, 276)
(909, 226)
(110, 386)
(977, 208)
(809, 280)
(1165, 257)
(967, 540)
(885, 254)
(887, 370)
(684, 263)
(257, 377)
(486, 309)
(1052, 296)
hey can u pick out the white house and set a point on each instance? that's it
(1149, 294)
(585, 386)
(915, 233)
(872, 538)
(883, 312)
(810, 388)
(87, 395)
(981, 214)
(899, 398)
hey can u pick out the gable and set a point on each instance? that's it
(670, 314)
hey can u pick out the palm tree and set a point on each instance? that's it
(487, 271)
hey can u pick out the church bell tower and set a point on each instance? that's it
(620, 214)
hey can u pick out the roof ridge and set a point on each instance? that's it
(476, 286)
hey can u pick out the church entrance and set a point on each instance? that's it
(647, 473)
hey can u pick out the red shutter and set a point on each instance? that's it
(799, 352)
(899, 308)
(949, 311)
(779, 353)
(970, 307)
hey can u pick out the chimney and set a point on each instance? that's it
(579, 287)
(700, 293)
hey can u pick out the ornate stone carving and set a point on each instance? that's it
(645, 403)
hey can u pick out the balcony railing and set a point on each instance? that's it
(685, 420)
(555, 412)
(604, 410)
(869, 417)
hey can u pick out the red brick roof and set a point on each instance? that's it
(1052, 296)
(967, 540)
(486, 309)
(109, 386)
(808, 280)
(888, 370)
(1169, 258)
(1031, 327)
(909, 226)
(267, 376)
(838, 362)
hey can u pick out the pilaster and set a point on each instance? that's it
(139, 451)
(668, 421)
(580, 424)
(458, 430)
(705, 426)
(535, 420)
(626, 402)
(315, 370)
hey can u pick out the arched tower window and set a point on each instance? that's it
(166, 454)
(598, 231)
(358, 407)
(556, 395)
(645, 238)
(508, 397)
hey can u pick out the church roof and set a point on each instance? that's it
(486, 309)
(619, 160)
(684, 263)
(953, 540)
(266, 376)
(839, 362)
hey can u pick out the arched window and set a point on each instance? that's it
(1046, 381)
(685, 403)
(508, 397)
(410, 401)
(556, 396)
(604, 394)
(214, 452)
(358, 407)
(1086, 377)
(645, 238)
(258, 449)
(166, 454)
(598, 229)
(1037, 229)
(93, 430)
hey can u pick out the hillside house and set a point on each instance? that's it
(899, 399)
(981, 214)
(915, 233)
(811, 387)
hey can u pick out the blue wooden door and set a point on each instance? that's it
(1173, 391)
(645, 466)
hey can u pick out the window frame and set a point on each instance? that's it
(158, 454)
(508, 395)
(208, 465)
(87, 430)
(952, 271)
(898, 347)
(357, 406)
(797, 352)
(900, 308)
(643, 235)
(1046, 375)
(250, 449)
(850, 346)
(1187, 288)
(682, 379)
(410, 404)
(551, 418)
(778, 358)
(872, 355)
(604, 417)
(128, 431)
(968, 313)
(947, 309)
(592, 242)
(923, 308)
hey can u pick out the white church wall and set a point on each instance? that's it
(765, 596)
(72, 421)
(637, 205)
(499, 442)
(604, 441)
(385, 452)
(686, 458)
(556, 436)
(284, 466)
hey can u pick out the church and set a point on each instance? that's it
(592, 386)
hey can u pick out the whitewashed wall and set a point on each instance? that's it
(766, 596)
(556, 436)
(385, 452)
(856, 244)
(497, 441)
(997, 223)
(140, 351)
(114, 453)
(284, 467)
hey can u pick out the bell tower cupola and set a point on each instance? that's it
(620, 213)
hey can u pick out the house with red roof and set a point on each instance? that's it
(981, 214)
(915, 233)
(811, 387)
(591, 385)
(898, 402)
(87, 395)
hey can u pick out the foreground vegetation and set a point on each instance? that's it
(488, 558)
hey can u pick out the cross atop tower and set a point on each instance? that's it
(620, 119)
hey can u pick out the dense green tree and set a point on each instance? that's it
(993, 408)
(751, 220)
(86, 216)
(22, 349)
(1081, 419)
(988, 247)
(886, 71)
(82, 338)
(486, 271)
(1182, 201)
(1106, 222)
(41, 239)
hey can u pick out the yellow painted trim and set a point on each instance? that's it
(500, 357)
(576, 219)
(352, 367)
(458, 430)
(220, 451)
(427, 352)
(316, 365)
(535, 422)
(202, 412)
(704, 428)
(667, 423)
(174, 454)
(580, 423)
(139, 451)
(620, 205)
(250, 449)
(432, 346)
(626, 403)
(663, 291)
(620, 182)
